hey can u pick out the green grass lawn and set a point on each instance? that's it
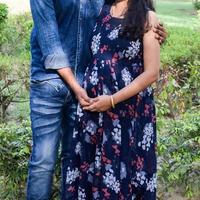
(177, 13)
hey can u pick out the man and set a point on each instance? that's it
(60, 50)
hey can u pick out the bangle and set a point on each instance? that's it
(112, 101)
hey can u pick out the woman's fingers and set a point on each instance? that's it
(84, 103)
(90, 108)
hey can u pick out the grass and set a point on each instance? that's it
(179, 13)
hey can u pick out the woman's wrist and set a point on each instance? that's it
(115, 99)
(112, 102)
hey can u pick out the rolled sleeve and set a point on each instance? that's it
(56, 61)
(46, 26)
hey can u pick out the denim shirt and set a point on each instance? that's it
(60, 36)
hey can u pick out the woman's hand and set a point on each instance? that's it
(99, 104)
(82, 96)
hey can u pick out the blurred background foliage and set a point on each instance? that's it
(177, 95)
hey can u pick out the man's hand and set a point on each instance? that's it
(161, 33)
(82, 97)
(67, 74)
(99, 104)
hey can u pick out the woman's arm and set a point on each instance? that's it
(151, 66)
(150, 74)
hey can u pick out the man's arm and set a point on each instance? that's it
(45, 22)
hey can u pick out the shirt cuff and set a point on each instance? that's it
(56, 61)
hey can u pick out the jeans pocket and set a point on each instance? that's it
(54, 87)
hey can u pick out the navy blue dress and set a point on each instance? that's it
(114, 151)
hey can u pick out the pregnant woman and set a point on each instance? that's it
(115, 136)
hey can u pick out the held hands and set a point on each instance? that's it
(99, 104)
(82, 97)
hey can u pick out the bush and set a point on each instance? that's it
(15, 59)
(196, 4)
(14, 81)
(16, 35)
(15, 145)
(15, 148)
(3, 13)
(179, 155)
(177, 89)
(182, 47)
(3, 18)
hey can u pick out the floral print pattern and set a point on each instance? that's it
(114, 34)
(126, 76)
(114, 154)
(95, 43)
(133, 49)
(147, 137)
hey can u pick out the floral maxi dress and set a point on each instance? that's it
(114, 151)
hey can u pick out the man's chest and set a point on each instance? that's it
(79, 5)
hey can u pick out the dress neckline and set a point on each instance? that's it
(109, 13)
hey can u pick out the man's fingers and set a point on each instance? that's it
(159, 27)
(160, 33)
(157, 36)
(86, 98)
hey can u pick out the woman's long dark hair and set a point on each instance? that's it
(136, 18)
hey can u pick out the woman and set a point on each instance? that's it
(115, 137)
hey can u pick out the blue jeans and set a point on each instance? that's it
(53, 110)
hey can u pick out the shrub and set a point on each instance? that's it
(16, 35)
(15, 148)
(177, 89)
(182, 47)
(15, 144)
(14, 81)
(15, 58)
(196, 4)
(179, 155)
(3, 18)
(3, 13)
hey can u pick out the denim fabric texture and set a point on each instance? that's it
(53, 109)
